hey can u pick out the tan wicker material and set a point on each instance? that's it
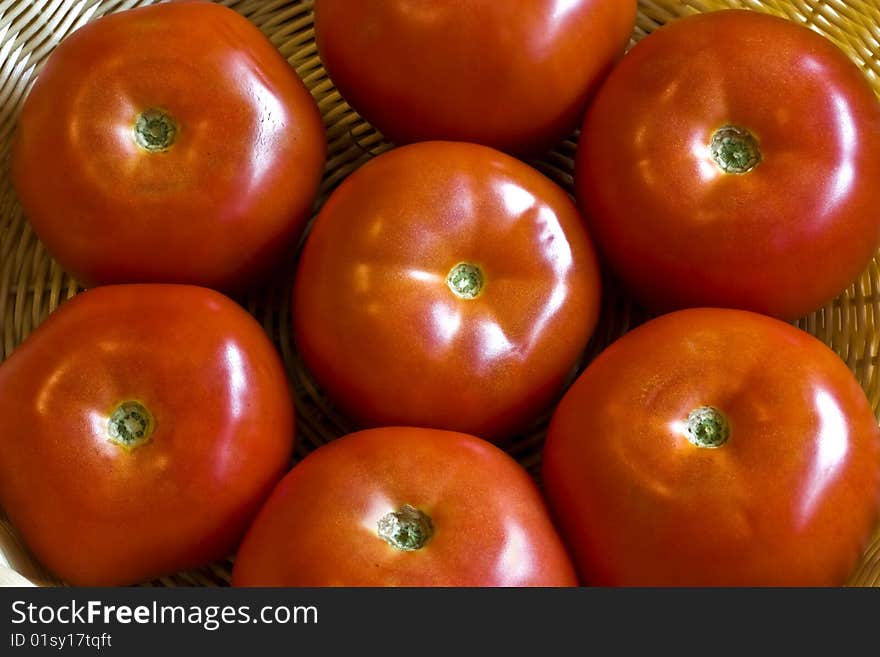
(32, 284)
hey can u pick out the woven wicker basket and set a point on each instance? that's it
(32, 285)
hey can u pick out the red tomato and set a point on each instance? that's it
(445, 285)
(169, 143)
(515, 78)
(663, 167)
(404, 507)
(714, 447)
(141, 427)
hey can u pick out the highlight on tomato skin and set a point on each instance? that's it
(445, 285)
(714, 447)
(141, 428)
(472, 70)
(402, 506)
(169, 143)
(730, 160)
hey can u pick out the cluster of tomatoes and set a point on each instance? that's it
(445, 293)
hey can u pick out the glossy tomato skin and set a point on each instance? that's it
(472, 70)
(781, 239)
(222, 203)
(790, 499)
(320, 525)
(96, 513)
(378, 325)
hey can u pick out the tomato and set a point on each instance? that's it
(400, 506)
(732, 159)
(445, 285)
(169, 143)
(714, 447)
(141, 427)
(472, 70)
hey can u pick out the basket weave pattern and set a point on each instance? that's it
(32, 285)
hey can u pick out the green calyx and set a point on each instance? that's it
(465, 280)
(155, 130)
(130, 425)
(734, 150)
(707, 427)
(407, 529)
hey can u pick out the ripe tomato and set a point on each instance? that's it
(169, 143)
(481, 71)
(445, 285)
(141, 427)
(404, 507)
(663, 167)
(647, 491)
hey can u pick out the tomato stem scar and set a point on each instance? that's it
(707, 427)
(155, 130)
(465, 280)
(407, 529)
(734, 149)
(130, 425)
